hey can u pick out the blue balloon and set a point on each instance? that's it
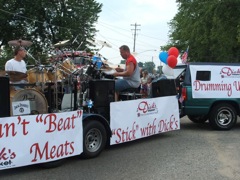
(163, 56)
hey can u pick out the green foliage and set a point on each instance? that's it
(45, 22)
(140, 64)
(209, 27)
(149, 66)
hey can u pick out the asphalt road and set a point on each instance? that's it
(195, 152)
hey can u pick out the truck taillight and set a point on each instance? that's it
(184, 93)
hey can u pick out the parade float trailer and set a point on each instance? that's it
(87, 122)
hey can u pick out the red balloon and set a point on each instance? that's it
(172, 61)
(173, 51)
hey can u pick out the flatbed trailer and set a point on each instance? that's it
(93, 122)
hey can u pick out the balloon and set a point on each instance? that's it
(172, 61)
(173, 51)
(163, 57)
(167, 70)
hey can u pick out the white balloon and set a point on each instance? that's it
(168, 71)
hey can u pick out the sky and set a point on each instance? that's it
(116, 26)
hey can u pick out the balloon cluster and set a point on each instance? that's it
(169, 59)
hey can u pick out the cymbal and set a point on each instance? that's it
(61, 43)
(104, 43)
(16, 76)
(111, 65)
(20, 42)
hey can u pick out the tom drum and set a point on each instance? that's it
(35, 75)
(68, 67)
(54, 76)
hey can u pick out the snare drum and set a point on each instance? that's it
(35, 75)
(38, 102)
(68, 67)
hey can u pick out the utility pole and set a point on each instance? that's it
(135, 30)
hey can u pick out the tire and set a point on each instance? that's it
(223, 117)
(198, 119)
(94, 139)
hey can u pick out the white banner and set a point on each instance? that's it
(26, 140)
(223, 82)
(131, 120)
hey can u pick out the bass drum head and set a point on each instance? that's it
(38, 102)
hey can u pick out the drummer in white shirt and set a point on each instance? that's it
(16, 67)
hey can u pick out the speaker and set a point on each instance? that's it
(4, 97)
(164, 87)
(102, 92)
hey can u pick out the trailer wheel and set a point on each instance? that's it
(94, 139)
(198, 119)
(223, 116)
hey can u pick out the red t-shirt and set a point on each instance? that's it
(132, 59)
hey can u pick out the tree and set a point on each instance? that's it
(47, 22)
(149, 66)
(140, 64)
(209, 27)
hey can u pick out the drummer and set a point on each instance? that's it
(131, 73)
(16, 67)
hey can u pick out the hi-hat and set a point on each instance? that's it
(61, 43)
(16, 76)
(104, 43)
(20, 42)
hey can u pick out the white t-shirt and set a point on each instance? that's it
(13, 65)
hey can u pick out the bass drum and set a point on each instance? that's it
(38, 102)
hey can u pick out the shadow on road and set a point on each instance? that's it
(187, 124)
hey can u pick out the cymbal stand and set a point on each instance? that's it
(56, 88)
(36, 61)
(42, 77)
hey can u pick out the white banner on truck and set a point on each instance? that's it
(215, 81)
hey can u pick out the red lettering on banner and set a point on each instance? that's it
(200, 86)
(227, 70)
(149, 130)
(23, 123)
(126, 135)
(165, 125)
(7, 129)
(51, 152)
(145, 107)
(7, 154)
(61, 124)
(237, 85)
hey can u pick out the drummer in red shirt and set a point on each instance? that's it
(131, 73)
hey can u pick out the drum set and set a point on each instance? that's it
(48, 84)
(45, 84)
